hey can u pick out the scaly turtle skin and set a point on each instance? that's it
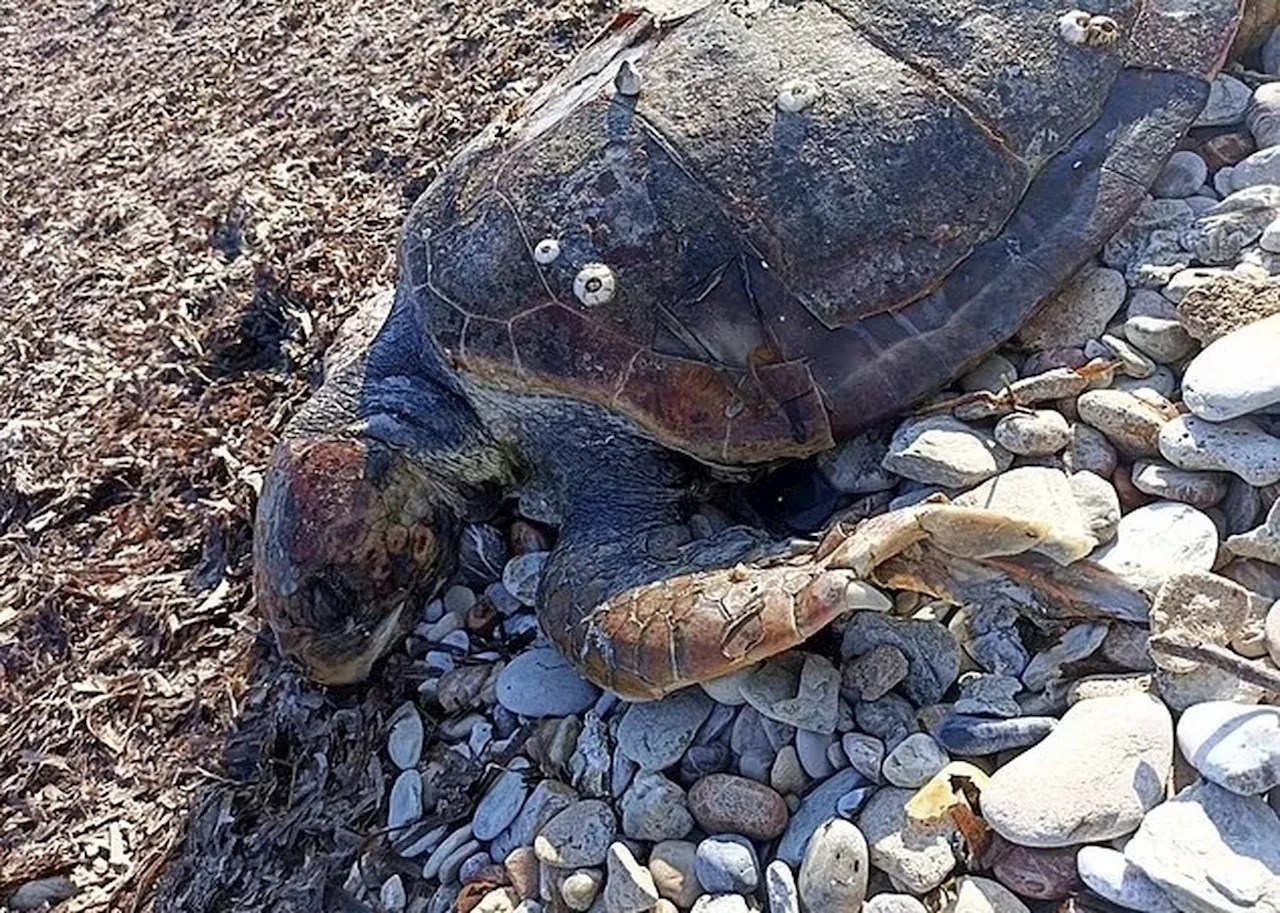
(733, 235)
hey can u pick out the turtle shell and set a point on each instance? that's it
(809, 214)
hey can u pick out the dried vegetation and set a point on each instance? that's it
(192, 197)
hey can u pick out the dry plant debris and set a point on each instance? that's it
(192, 197)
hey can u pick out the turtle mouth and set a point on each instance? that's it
(348, 541)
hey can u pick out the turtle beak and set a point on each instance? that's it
(349, 541)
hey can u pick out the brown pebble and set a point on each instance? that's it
(525, 537)
(472, 893)
(482, 617)
(1037, 874)
(522, 867)
(460, 688)
(1130, 497)
(725, 803)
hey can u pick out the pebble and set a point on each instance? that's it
(1156, 540)
(1228, 100)
(522, 574)
(985, 694)
(797, 689)
(727, 689)
(757, 764)
(629, 887)
(988, 636)
(1089, 451)
(914, 761)
(405, 804)
(500, 805)
(854, 467)
(1182, 174)
(941, 450)
(1200, 607)
(1159, 479)
(655, 734)
(916, 855)
(1112, 685)
(865, 754)
(539, 683)
(392, 895)
(833, 875)
(1237, 446)
(727, 864)
(1262, 543)
(1272, 634)
(405, 735)
(1211, 851)
(1233, 745)
(1037, 874)
(726, 803)
(1077, 643)
(893, 903)
(815, 808)
(780, 888)
(1079, 311)
(1162, 338)
(549, 798)
(580, 888)
(849, 804)
(874, 674)
(446, 850)
(1037, 432)
(1112, 877)
(1237, 374)
(482, 553)
(787, 776)
(721, 903)
(578, 836)
(982, 895)
(891, 718)
(1227, 304)
(1092, 778)
(931, 651)
(654, 808)
(673, 864)
(1131, 423)
(992, 375)
(701, 760)
(976, 736)
(1180, 690)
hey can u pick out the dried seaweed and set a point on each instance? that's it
(193, 196)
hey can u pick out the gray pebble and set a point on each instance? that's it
(539, 682)
(405, 735)
(655, 734)
(1034, 433)
(500, 805)
(811, 748)
(891, 718)
(1182, 174)
(970, 736)
(1238, 446)
(1112, 877)
(780, 888)
(727, 863)
(932, 653)
(815, 808)
(988, 695)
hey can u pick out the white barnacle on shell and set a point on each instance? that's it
(1074, 27)
(796, 94)
(546, 251)
(595, 284)
(1078, 27)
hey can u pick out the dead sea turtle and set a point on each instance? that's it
(728, 235)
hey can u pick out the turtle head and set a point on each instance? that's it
(352, 535)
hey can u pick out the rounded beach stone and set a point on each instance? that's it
(1237, 374)
(815, 808)
(578, 836)
(1159, 479)
(975, 736)
(780, 888)
(1092, 778)
(654, 808)
(833, 875)
(982, 895)
(1130, 422)
(405, 735)
(1112, 877)
(1211, 850)
(727, 864)
(892, 903)
(629, 887)
(723, 803)
(1077, 312)
(539, 682)
(655, 734)
(673, 864)
(1237, 446)
(1036, 874)
(1236, 746)
(1034, 433)
(941, 450)
(914, 761)
(916, 855)
(1183, 173)
(1157, 540)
